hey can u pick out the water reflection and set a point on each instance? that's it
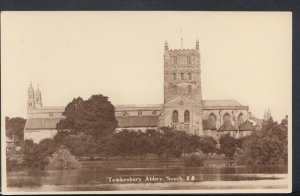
(96, 175)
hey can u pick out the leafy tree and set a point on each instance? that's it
(269, 146)
(141, 144)
(124, 142)
(95, 117)
(107, 146)
(81, 145)
(15, 128)
(227, 145)
(47, 147)
(35, 155)
(60, 137)
(32, 156)
(208, 145)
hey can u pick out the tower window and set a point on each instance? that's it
(188, 60)
(175, 60)
(187, 116)
(175, 89)
(189, 89)
(182, 76)
(190, 76)
(175, 116)
(174, 76)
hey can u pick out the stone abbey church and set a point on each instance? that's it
(183, 107)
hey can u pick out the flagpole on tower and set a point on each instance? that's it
(181, 37)
(181, 42)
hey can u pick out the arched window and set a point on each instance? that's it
(154, 113)
(140, 113)
(175, 116)
(240, 119)
(187, 116)
(190, 76)
(50, 115)
(212, 119)
(174, 76)
(190, 89)
(125, 114)
(226, 117)
(181, 76)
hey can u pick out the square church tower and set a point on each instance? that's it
(182, 89)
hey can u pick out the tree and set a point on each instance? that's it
(35, 155)
(227, 145)
(95, 117)
(60, 137)
(30, 152)
(141, 144)
(124, 142)
(81, 145)
(208, 145)
(15, 128)
(269, 146)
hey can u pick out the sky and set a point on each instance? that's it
(245, 56)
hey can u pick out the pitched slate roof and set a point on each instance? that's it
(134, 107)
(222, 104)
(48, 108)
(41, 123)
(207, 125)
(137, 121)
(246, 126)
(227, 126)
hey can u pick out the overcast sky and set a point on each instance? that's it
(245, 56)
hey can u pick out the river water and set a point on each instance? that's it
(109, 176)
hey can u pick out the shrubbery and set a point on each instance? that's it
(63, 159)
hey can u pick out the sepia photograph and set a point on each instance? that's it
(146, 102)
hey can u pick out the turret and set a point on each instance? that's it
(38, 97)
(197, 44)
(166, 46)
(31, 101)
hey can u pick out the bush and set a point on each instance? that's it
(193, 161)
(11, 164)
(63, 159)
